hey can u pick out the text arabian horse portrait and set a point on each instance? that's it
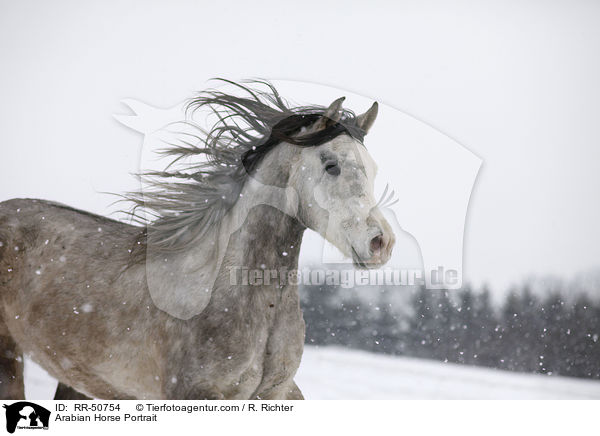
(148, 310)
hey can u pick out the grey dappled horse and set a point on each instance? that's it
(149, 310)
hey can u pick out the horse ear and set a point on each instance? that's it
(332, 115)
(366, 120)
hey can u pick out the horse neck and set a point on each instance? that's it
(261, 231)
(268, 234)
(269, 239)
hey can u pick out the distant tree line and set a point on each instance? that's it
(552, 334)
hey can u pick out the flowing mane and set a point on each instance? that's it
(179, 206)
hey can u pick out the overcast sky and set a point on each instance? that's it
(516, 83)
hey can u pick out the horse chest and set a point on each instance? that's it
(262, 351)
(277, 354)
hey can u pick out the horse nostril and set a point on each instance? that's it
(376, 243)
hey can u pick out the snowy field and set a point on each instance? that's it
(342, 374)
(338, 373)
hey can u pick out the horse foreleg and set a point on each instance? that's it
(294, 393)
(64, 392)
(285, 391)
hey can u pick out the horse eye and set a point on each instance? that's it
(332, 168)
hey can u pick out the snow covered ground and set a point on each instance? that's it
(340, 373)
(343, 374)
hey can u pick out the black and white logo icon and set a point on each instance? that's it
(26, 415)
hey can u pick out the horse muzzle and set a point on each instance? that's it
(376, 252)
